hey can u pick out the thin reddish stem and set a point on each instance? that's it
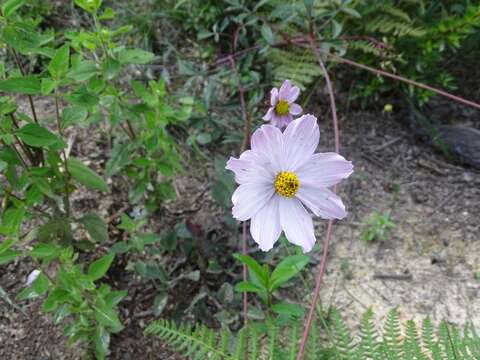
(245, 145)
(328, 238)
(405, 80)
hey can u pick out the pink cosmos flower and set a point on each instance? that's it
(280, 177)
(283, 106)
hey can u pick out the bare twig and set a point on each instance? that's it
(326, 243)
(381, 276)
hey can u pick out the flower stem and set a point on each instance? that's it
(326, 243)
(245, 145)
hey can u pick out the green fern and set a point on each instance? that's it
(282, 344)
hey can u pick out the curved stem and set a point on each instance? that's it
(326, 243)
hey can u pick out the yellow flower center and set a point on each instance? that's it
(282, 107)
(287, 183)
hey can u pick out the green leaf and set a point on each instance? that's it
(287, 269)
(45, 251)
(95, 226)
(11, 221)
(29, 85)
(8, 255)
(114, 297)
(11, 6)
(41, 283)
(253, 266)
(73, 115)
(58, 66)
(107, 317)
(247, 286)
(89, 5)
(86, 176)
(54, 298)
(6, 244)
(135, 56)
(288, 309)
(267, 34)
(100, 267)
(101, 340)
(38, 136)
(48, 85)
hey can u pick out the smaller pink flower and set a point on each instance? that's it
(283, 106)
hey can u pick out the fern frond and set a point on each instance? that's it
(368, 347)
(199, 343)
(342, 339)
(392, 336)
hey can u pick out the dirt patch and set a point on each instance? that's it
(427, 265)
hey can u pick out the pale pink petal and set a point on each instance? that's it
(292, 94)
(249, 198)
(265, 224)
(250, 167)
(32, 277)
(324, 169)
(300, 141)
(274, 96)
(297, 223)
(284, 90)
(295, 109)
(268, 141)
(321, 201)
(269, 115)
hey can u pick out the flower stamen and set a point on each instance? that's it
(282, 107)
(287, 183)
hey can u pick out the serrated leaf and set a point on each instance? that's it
(38, 136)
(96, 227)
(73, 115)
(86, 176)
(29, 85)
(99, 267)
(58, 66)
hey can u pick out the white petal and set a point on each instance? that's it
(324, 169)
(295, 109)
(268, 141)
(293, 94)
(322, 202)
(297, 223)
(249, 198)
(274, 96)
(32, 277)
(269, 114)
(300, 141)
(251, 167)
(265, 225)
(284, 90)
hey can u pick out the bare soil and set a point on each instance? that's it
(426, 267)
